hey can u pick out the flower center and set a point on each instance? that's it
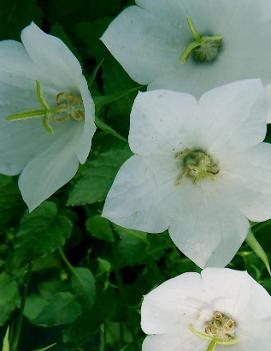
(197, 165)
(203, 48)
(67, 107)
(220, 330)
(221, 327)
(70, 107)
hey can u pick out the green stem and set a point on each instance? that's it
(67, 262)
(70, 266)
(17, 328)
(122, 291)
(102, 338)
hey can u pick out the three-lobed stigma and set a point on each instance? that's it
(68, 106)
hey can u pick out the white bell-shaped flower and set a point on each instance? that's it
(46, 114)
(200, 169)
(219, 309)
(192, 45)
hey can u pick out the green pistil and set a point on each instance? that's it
(197, 165)
(212, 345)
(68, 106)
(44, 112)
(213, 341)
(204, 48)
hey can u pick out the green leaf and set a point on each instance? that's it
(6, 345)
(116, 81)
(104, 267)
(89, 322)
(132, 248)
(258, 250)
(103, 100)
(40, 233)
(100, 227)
(9, 297)
(11, 204)
(93, 75)
(90, 33)
(83, 284)
(34, 304)
(46, 348)
(58, 31)
(63, 309)
(108, 130)
(98, 177)
(15, 15)
(137, 234)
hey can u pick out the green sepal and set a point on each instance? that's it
(258, 249)
(6, 344)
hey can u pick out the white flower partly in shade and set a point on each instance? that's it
(200, 169)
(46, 114)
(192, 45)
(215, 310)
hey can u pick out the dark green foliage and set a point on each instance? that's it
(77, 279)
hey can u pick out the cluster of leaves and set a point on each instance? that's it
(69, 279)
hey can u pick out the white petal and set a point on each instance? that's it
(268, 91)
(259, 304)
(234, 116)
(183, 342)
(20, 140)
(172, 306)
(206, 226)
(15, 60)
(50, 170)
(149, 39)
(18, 69)
(146, 43)
(229, 290)
(88, 127)
(249, 177)
(52, 55)
(254, 334)
(162, 121)
(138, 195)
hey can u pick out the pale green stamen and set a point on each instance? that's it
(68, 106)
(204, 48)
(219, 330)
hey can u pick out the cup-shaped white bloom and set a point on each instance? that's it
(192, 45)
(200, 169)
(46, 114)
(219, 308)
